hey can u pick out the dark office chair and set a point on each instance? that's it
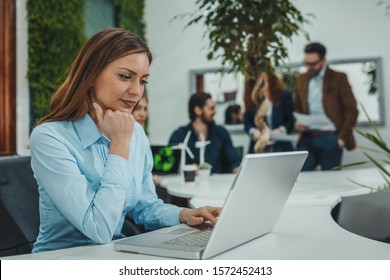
(226, 167)
(19, 206)
(240, 150)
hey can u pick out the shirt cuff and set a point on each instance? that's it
(117, 170)
(252, 130)
(283, 129)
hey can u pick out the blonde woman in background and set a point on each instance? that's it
(140, 112)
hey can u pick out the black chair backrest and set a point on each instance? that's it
(226, 165)
(19, 206)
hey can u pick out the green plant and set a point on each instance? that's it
(386, 6)
(380, 147)
(289, 76)
(130, 15)
(249, 36)
(369, 68)
(204, 166)
(55, 33)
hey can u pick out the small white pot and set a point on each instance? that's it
(204, 173)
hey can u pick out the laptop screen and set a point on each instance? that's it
(166, 161)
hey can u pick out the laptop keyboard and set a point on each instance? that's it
(199, 238)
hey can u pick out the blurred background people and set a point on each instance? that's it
(279, 116)
(233, 114)
(324, 93)
(220, 153)
(140, 112)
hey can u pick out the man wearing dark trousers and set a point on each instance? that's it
(324, 93)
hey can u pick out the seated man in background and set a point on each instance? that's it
(220, 153)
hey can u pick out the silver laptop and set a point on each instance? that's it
(252, 208)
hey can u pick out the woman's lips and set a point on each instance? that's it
(128, 103)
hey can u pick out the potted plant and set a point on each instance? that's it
(204, 170)
(249, 37)
(380, 148)
(368, 214)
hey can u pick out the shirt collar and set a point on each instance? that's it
(322, 72)
(87, 130)
(211, 128)
(320, 75)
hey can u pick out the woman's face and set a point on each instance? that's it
(140, 112)
(121, 83)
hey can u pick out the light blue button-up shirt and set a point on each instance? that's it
(85, 192)
(315, 101)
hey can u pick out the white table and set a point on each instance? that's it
(217, 186)
(310, 187)
(305, 229)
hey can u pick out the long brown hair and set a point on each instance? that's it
(276, 88)
(72, 101)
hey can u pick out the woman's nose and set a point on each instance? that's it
(135, 88)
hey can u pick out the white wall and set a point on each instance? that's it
(349, 29)
(176, 51)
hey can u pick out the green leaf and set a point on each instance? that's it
(246, 32)
(55, 34)
(375, 162)
(371, 123)
(351, 164)
(377, 189)
(376, 140)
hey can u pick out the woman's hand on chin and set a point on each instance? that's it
(118, 126)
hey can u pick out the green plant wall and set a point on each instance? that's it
(130, 15)
(55, 33)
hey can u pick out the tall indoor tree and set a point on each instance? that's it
(249, 37)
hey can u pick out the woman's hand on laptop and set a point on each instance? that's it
(198, 216)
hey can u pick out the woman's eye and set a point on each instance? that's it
(144, 82)
(124, 77)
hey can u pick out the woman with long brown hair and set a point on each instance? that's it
(91, 160)
(279, 116)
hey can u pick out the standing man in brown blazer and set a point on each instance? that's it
(325, 93)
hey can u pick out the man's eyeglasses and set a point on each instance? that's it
(311, 64)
